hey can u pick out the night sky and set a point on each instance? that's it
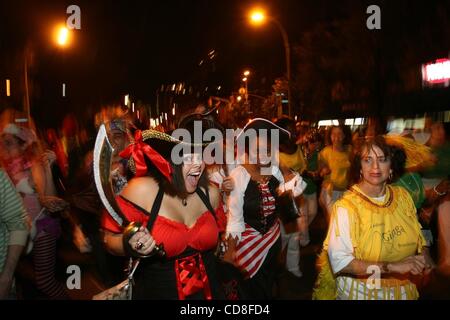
(136, 46)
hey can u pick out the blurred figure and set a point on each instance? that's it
(120, 139)
(435, 180)
(294, 234)
(375, 126)
(423, 135)
(32, 178)
(58, 160)
(219, 174)
(314, 144)
(334, 162)
(71, 144)
(13, 234)
(85, 202)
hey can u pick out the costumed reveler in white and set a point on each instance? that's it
(253, 220)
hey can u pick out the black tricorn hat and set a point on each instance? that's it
(264, 124)
(156, 146)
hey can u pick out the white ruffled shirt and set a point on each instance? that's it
(236, 224)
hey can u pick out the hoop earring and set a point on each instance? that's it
(360, 176)
(390, 177)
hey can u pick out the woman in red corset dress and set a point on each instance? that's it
(180, 210)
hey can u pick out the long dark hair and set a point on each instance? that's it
(396, 155)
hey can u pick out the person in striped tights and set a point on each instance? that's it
(32, 178)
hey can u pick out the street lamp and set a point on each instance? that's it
(258, 17)
(63, 36)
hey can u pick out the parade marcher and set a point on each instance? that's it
(436, 181)
(314, 143)
(253, 223)
(373, 228)
(294, 234)
(334, 162)
(178, 209)
(33, 180)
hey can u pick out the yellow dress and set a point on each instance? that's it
(385, 231)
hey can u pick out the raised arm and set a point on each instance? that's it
(236, 224)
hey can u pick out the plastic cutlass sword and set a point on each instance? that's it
(103, 151)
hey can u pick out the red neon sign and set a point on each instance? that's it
(436, 72)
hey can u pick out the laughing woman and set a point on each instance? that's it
(373, 230)
(181, 211)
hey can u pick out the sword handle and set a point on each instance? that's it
(159, 250)
(129, 231)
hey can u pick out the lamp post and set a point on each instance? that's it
(258, 17)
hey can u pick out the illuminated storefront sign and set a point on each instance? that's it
(436, 73)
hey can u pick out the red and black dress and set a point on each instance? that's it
(189, 269)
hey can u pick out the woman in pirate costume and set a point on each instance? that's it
(181, 215)
(374, 246)
(253, 227)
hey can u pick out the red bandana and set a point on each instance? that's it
(138, 149)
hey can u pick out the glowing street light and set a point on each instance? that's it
(257, 16)
(8, 88)
(62, 37)
(246, 73)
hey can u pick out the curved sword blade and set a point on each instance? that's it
(102, 174)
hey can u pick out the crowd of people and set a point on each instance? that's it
(225, 230)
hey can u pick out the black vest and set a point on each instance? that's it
(252, 206)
